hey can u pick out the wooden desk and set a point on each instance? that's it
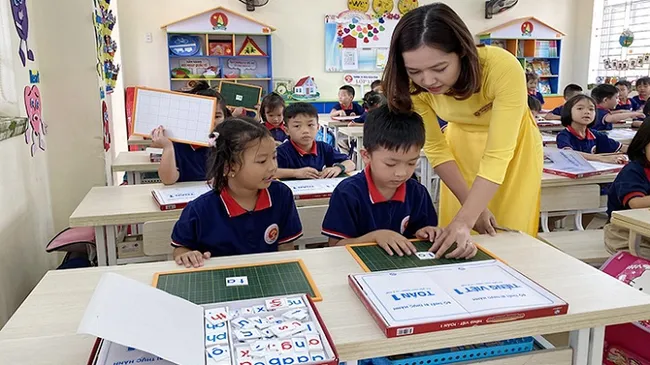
(48, 319)
(355, 133)
(108, 207)
(139, 141)
(134, 163)
(637, 221)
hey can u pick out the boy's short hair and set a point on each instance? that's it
(645, 80)
(531, 76)
(392, 130)
(603, 91)
(625, 83)
(534, 104)
(570, 90)
(295, 109)
(349, 89)
(375, 84)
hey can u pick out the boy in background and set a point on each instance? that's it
(643, 90)
(624, 103)
(606, 97)
(376, 87)
(346, 105)
(570, 91)
(302, 157)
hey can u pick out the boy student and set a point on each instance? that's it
(376, 87)
(624, 103)
(346, 105)
(570, 91)
(383, 204)
(301, 157)
(643, 89)
(606, 97)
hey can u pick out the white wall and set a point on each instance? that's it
(298, 45)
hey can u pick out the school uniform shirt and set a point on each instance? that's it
(191, 162)
(599, 123)
(279, 133)
(352, 108)
(357, 207)
(215, 222)
(593, 142)
(639, 102)
(557, 111)
(633, 181)
(290, 156)
(362, 117)
(630, 104)
(537, 95)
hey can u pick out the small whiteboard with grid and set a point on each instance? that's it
(186, 118)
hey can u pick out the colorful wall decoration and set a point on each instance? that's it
(36, 127)
(21, 22)
(104, 21)
(356, 41)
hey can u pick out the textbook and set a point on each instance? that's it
(175, 197)
(155, 154)
(346, 118)
(571, 164)
(313, 188)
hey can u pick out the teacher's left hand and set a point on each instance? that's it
(486, 223)
(458, 232)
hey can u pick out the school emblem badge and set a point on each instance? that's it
(271, 234)
(405, 222)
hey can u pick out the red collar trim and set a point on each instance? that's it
(349, 107)
(639, 96)
(647, 173)
(590, 136)
(627, 102)
(271, 127)
(532, 92)
(603, 108)
(235, 210)
(376, 196)
(301, 152)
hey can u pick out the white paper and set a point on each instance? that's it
(112, 353)
(185, 117)
(349, 59)
(567, 160)
(313, 186)
(176, 195)
(130, 313)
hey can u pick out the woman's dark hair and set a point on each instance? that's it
(271, 102)
(200, 89)
(534, 104)
(373, 99)
(566, 117)
(438, 26)
(199, 86)
(636, 150)
(232, 137)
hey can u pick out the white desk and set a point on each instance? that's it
(355, 133)
(47, 321)
(134, 163)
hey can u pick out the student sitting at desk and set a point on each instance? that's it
(383, 204)
(302, 157)
(346, 105)
(372, 100)
(570, 91)
(606, 97)
(630, 190)
(624, 103)
(247, 211)
(642, 86)
(534, 105)
(184, 162)
(577, 115)
(271, 111)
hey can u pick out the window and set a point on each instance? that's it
(611, 18)
(8, 101)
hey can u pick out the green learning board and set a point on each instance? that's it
(236, 95)
(264, 280)
(376, 259)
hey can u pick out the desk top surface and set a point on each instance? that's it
(137, 161)
(49, 317)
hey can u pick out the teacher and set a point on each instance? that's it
(490, 156)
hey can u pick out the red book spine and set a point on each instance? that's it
(378, 319)
(312, 196)
(334, 361)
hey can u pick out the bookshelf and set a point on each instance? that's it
(219, 44)
(536, 45)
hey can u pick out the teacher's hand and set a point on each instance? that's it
(486, 223)
(458, 232)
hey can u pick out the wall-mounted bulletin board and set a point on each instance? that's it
(356, 41)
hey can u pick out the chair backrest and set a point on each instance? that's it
(311, 218)
(156, 237)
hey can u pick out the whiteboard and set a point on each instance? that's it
(187, 118)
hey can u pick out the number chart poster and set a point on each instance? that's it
(356, 41)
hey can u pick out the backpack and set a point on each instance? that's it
(329, 138)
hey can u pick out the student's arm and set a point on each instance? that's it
(389, 240)
(605, 158)
(167, 171)
(290, 225)
(638, 203)
(187, 249)
(551, 116)
(631, 187)
(333, 157)
(618, 117)
(336, 111)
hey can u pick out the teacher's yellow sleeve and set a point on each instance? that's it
(505, 84)
(435, 145)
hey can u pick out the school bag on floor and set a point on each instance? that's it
(628, 340)
(329, 138)
(79, 245)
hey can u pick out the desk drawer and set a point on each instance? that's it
(563, 198)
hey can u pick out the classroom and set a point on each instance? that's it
(280, 182)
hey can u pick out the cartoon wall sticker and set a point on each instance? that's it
(106, 127)
(34, 76)
(36, 127)
(21, 21)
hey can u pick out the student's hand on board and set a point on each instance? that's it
(307, 173)
(486, 223)
(159, 139)
(330, 172)
(428, 233)
(458, 232)
(239, 112)
(192, 258)
(392, 241)
(639, 115)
